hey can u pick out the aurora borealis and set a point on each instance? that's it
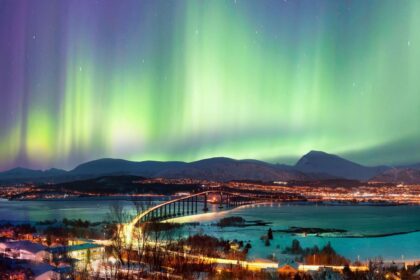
(185, 80)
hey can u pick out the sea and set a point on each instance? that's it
(387, 232)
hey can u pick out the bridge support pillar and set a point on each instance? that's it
(205, 209)
(196, 204)
(191, 205)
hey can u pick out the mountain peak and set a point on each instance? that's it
(322, 162)
(318, 158)
(316, 152)
(321, 154)
(21, 170)
(214, 160)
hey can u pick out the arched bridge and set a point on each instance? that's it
(189, 205)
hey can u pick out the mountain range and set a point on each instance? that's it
(315, 165)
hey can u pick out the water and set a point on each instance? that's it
(95, 210)
(354, 219)
(357, 220)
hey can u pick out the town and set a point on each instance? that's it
(335, 191)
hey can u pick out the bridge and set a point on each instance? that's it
(188, 205)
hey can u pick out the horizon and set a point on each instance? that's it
(290, 164)
(165, 81)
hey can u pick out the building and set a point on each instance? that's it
(25, 269)
(24, 250)
(326, 273)
(42, 271)
(288, 268)
(82, 253)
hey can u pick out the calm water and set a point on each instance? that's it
(355, 219)
(94, 210)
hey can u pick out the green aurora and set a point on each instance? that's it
(185, 80)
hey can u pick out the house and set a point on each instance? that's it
(82, 253)
(325, 273)
(394, 265)
(24, 269)
(42, 271)
(7, 232)
(288, 268)
(24, 250)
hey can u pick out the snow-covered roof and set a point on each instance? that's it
(25, 245)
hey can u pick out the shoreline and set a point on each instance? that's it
(161, 197)
(379, 235)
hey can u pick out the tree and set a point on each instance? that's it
(270, 234)
(48, 239)
(296, 249)
(348, 274)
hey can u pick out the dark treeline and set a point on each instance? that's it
(324, 256)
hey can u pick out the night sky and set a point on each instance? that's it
(185, 80)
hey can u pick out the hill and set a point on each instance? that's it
(123, 184)
(324, 163)
(399, 175)
(226, 169)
